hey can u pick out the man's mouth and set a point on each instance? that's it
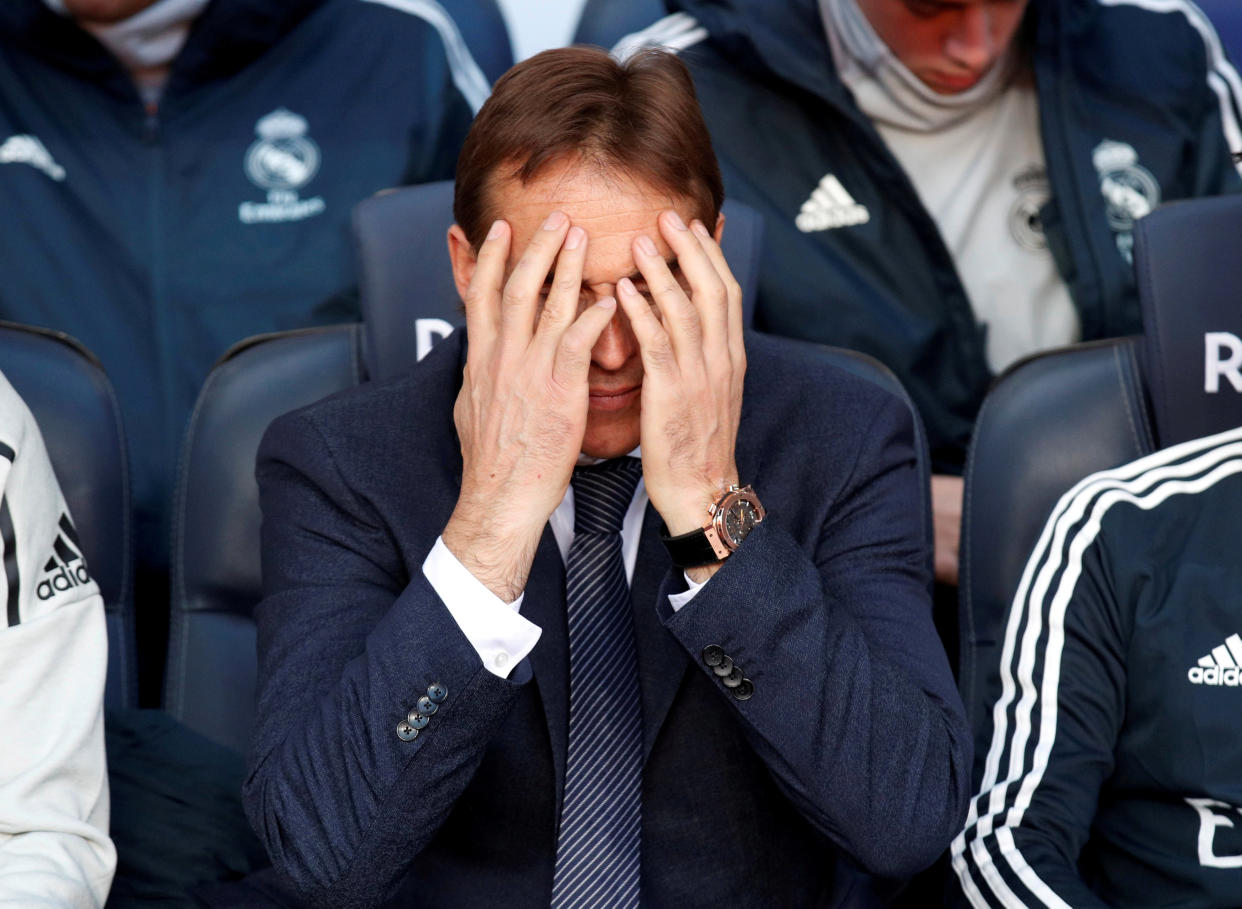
(611, 399)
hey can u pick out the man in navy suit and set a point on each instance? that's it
(777, 710)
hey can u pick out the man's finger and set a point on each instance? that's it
(736, 321)
(486, 284)
(573, 353)
(520, 299)
(654, 345)
(681, 318)
(707, 288)
(561, 306)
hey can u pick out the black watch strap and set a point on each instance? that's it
(690, 550)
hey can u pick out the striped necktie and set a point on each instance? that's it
(597, 846)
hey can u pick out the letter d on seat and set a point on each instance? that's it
(1215, 343)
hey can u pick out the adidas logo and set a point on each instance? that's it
(66, 568)
(1220, 667)
(830, 206)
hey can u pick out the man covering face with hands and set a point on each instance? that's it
(547, 647)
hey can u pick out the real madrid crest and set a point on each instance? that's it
(281, 160)
(1129, 189)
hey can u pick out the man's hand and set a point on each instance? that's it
(693, 365)
(947, 521)
(521, 413)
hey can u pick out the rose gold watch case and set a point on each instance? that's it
(715, 532)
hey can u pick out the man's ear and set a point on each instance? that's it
(461, 254)
(719, 232)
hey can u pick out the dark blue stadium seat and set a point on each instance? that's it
(483, 27)
(605, 22)
(1059, 416)
(406, 283)
(76, 409)
(216, 575)
(1226, 15)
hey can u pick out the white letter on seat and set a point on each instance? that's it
(428, 331)
(1214, 342)
(1208, 822)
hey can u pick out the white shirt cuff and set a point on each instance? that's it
(677, 600)
(494, 628)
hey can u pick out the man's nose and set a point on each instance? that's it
(971, 43)
(616, 345)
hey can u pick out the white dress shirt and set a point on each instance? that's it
(497, 630)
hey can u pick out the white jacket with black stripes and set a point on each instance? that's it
(54, 845)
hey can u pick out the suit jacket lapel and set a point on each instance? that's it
(662, 662)
(544, 605)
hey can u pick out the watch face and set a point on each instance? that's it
(740, 519)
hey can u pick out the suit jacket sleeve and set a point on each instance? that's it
(348, 643)
(854, 708)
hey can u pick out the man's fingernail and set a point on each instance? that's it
(699, 228)
(606, 302)
(497, 228)
(555, 220)
(626, 286)
(645, 244)
(675, 220)
(575, 238)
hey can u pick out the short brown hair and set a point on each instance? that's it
(639, 117)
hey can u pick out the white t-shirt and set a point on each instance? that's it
(977, 161)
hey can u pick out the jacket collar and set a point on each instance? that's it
(227, 37)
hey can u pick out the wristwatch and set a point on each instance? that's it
(733, 517)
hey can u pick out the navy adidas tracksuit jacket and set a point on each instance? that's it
(1147, 76)
(1112, 762)
(159, 238)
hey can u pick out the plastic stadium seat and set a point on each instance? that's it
(1226, 15)
(1057, 417)
(406, 283)
(76, 409)
(483, 27)
(605, 22)
(216, 576)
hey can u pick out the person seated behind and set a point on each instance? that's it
(1114, 775)
(54, 845)
(950, 185)
(482, 674)
(181, 174)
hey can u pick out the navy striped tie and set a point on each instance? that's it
(597, 847)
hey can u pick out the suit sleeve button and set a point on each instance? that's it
(724, 667)
(713, 654)
(437, 693)
(417, 720)
(733, 679)
(426, 706)
(744, 690)
(406, 732)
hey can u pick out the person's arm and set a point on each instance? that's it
(854, 710)
(1054, 728)
(350, 638)
(54, 845)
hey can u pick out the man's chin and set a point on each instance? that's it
(609, 444)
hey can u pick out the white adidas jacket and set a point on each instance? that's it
(54, 846)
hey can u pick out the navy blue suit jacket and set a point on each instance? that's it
(853, 744)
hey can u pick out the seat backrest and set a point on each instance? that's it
(73, 402)
(216, 575)
(1048, 422)
(605, 22)
(1189, 272)
(405, 280)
